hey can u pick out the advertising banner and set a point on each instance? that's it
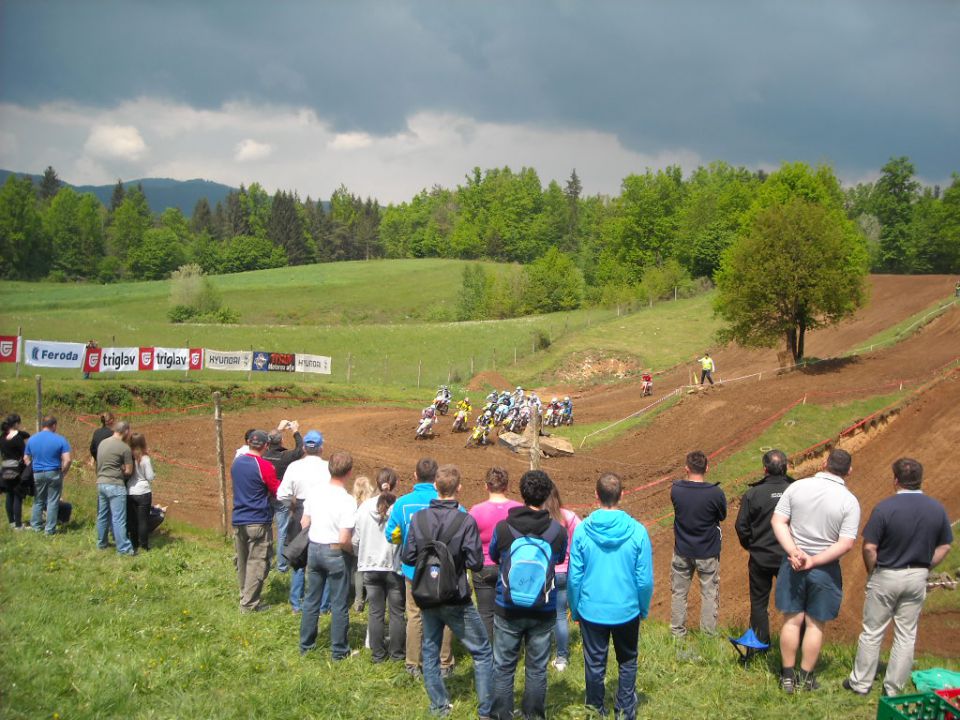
(41, 353)
(236, 360)
(9, 348)
(264, 361)
(313, 363)
(146, 358)
(175, 358)
(112, 360)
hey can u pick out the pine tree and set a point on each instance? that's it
(286, 228)
(202, 219)
(119, 193)
(49, 184)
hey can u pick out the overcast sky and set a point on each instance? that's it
(390, 97)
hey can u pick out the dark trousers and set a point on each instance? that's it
(485, 585)
(596, 642)
(14, 504)
(385, 590)
(138, 519)
(706, 375)
(761, 582)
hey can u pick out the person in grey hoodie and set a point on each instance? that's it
(378, 561)
(609, 586)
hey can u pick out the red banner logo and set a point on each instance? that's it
(146, 358)
(91, 361)
(196, 358)
(8, 348)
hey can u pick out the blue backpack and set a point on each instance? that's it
(527, 570)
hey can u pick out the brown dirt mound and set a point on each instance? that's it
(583, 368)
(488, 379)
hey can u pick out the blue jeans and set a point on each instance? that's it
(297, 585)
(511, 634)
(281, 515)
(49, 487)
(112, 509)
(326, 567)
(464, 622)
(596, 641)
(563, 628)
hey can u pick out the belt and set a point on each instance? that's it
(331, 546)
(907, 567)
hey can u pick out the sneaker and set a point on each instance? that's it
(559, 664)
(787, 683)
(446, 672)
(414, 672)
(810, 683)
(847, 686)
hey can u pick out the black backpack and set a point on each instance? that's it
(436, 575)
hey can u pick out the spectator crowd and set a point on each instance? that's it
(507, 576)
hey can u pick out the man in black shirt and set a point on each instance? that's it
(756, 536)
(907, 534)
(280, 458)
(698, 508)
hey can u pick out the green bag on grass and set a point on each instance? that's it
(935, 679)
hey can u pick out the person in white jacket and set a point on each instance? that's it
(378, 560)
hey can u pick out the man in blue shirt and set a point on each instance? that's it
(398, 525)
(907, 535)
(49, 455)
(609, 586)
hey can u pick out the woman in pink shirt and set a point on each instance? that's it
(488, 514)
(569, 520)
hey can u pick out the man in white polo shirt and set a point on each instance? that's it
(301, 475)
(816, 523)
(329, 511)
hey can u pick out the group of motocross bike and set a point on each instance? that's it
(504, 411)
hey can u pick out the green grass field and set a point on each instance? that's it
(389, 318)
(88, 634)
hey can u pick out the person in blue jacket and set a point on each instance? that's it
(396, 529)
(609, 586)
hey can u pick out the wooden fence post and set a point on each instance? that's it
(349, 367)
(535, 445)
(419, 371)
(39, 401)
(221, 465)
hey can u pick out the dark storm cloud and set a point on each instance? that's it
(851, 83)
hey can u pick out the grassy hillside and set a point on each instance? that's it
(89, 634)
(389, 316)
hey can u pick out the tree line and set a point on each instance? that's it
(660, 230)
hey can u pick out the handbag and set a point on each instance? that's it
(27, 484)
(295, 551)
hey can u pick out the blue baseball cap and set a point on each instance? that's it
(313, 438)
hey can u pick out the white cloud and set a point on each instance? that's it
(249, 149)
(297, 150)
(350, 141)
(115, 141)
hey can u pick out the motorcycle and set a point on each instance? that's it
(647, 388)
(479, 436)
(566, 416)
(500, 413)
(551, 418)
(425, 428)
(461, 421)
(442, 405)
(519, 421)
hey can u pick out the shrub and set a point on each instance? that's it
(109, 269)
(57, 276)
(181, 314)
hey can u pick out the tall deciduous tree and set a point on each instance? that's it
(552, 282)
(893, 197)
(24, 250)
(799, 266)
(75, 227)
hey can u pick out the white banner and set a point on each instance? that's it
(313, 363)
(171, 358)
(117, 359)
(237, 360)
(41, 353)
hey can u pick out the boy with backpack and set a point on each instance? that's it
(442, 543)
(527, 546)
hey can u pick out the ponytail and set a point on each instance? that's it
(385, 501)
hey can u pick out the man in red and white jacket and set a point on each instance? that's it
(254, 485)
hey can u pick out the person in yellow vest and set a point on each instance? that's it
(707, 366)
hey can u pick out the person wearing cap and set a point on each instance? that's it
(300, 477)
(281, 458)
(254, 484)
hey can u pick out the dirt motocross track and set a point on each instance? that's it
(718, 420)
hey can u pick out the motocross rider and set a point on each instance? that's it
(518, 395)
(444, 394)
(465, 405)
(566, 407)
(647, 381)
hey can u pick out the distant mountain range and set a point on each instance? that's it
(161, 192)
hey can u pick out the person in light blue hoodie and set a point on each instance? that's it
(609, 586)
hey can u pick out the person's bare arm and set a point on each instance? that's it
(66, 460)
(304, 522)
(869, 556)
(939, 554)
(781, 529)
(346, 540)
